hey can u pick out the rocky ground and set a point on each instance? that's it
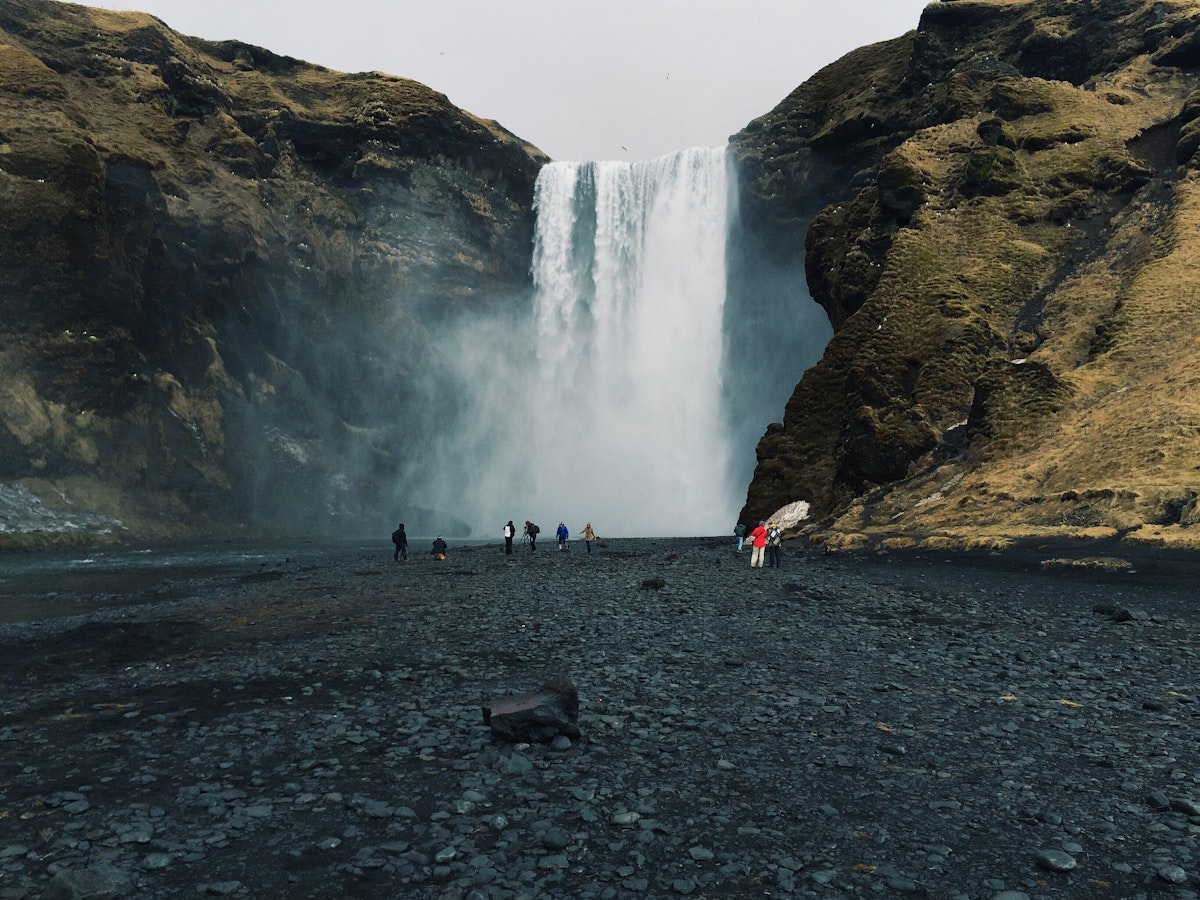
(877, 725)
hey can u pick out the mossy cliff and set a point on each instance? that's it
(1001, 214)
(194, 236)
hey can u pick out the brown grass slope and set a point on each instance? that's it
(1012, 265)
(193, 233)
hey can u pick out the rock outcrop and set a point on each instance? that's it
(999, 213)
(211, 260)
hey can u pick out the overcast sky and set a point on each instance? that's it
(581, 79)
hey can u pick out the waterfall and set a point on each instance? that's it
(627, 392)
(629, 268)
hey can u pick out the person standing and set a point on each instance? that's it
(562, 534)
(758, 540)
(531, 532)
(774, 546)
(400, 539)
(588, 536)
(739, 532)
(510, 531)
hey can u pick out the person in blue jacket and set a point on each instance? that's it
(563, 534)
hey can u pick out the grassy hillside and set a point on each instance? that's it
(1010, 260)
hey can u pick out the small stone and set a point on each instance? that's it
(1172, 875)
(222, 888)
(1187, 807)
(1055, 861)
(625, 818)
(556, 839)
(93, 881)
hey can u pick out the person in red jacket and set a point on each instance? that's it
(758, 538)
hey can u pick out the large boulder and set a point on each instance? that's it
(537, 716)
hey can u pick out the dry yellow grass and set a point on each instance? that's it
(1178, 536)
(1126, 438)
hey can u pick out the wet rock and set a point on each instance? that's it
(1186, 806)
(1172, 874)
(98, 882)
(1055, 861)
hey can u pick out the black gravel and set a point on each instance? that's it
(877, 725)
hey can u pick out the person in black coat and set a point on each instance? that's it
(400, 539)
(531, 532)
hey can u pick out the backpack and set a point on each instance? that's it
(397, 536)
(533, 529)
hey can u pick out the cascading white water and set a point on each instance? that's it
(625, 412)
(605, 399)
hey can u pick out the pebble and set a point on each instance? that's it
(742, 732)
(1055, 860)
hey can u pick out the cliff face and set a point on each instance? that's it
(999, 212)
(197, 238)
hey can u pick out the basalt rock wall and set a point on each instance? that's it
(219, 269)
(999, 213)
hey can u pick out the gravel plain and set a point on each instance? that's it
(858, 725)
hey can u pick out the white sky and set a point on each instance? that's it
(581, 79)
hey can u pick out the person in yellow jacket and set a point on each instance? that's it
(588, 536)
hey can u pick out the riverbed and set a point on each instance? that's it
(309, 725)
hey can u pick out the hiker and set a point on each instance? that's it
(774, 546)
(400, 539)
(531, 533)
(439, 548)
(739, 532)
(588, 536)
(562, 535)
(510, 531)
(759, 542)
